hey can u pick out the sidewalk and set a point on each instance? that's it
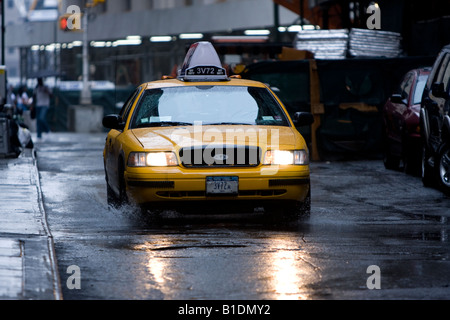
(28, 268)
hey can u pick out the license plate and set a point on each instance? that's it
(222, 185)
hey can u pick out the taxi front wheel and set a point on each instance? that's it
(111, 197)
(123, 198)
(117, 200)
(291, 210)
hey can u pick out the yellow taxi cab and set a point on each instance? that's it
(207, 140)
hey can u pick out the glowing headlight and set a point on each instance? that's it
(282, 157)
(152, 159)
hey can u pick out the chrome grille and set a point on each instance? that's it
(220, 156)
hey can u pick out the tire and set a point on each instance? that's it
(291, 211)
(111, 197)
(304, 208)
(390, 162)
(427, 170)
(443, 168)
(411, 160)
(123, 198)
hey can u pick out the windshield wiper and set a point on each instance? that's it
(163, 124)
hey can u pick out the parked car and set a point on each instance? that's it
(401, 117)
(435, 124)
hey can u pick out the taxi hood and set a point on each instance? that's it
(175, 138)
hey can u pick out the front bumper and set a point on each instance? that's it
(179, 185)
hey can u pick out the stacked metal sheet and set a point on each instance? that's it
(325, 44)
(342, 43)
(374, 43)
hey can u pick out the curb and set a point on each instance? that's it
(57, 290)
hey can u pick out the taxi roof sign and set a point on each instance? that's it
(202, 63)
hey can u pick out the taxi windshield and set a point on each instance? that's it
(208, 105)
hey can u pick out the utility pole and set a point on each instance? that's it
(3, 32)
(302, 13)
(276, 18)
(86, 94)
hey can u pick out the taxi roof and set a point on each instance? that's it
(179, 83)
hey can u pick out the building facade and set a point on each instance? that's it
(133, 41)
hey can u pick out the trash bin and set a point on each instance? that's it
(5, 147)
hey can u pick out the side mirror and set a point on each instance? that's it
(437, 89)
(113, 121)
(303, 119)
(397, 98)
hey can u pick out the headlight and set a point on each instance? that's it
(152, 159)
(282, 157)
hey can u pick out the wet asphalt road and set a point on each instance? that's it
(362, 215)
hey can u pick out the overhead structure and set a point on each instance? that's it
(324, 13)
(293, 5)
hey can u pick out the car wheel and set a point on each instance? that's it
(291, 211)
(123, 198)
(407, 156)
(111, 197)
(427, 170)
(444, 169)
(303, 209)
(390, 162)
(411, 160)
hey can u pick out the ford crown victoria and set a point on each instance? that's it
(205, 139)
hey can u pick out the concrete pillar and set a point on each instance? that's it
(85, 118)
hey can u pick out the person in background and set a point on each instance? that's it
(23, 101)
(41, 99)
(24, 108)
(11, 97)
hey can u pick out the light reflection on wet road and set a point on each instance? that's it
(362, 215)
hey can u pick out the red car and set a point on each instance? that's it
(401, 117)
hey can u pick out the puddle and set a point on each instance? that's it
(441, 236)
(428, 217)
(212, 246)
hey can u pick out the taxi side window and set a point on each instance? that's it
(269, 112)
(148, 107)
(125, 111)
